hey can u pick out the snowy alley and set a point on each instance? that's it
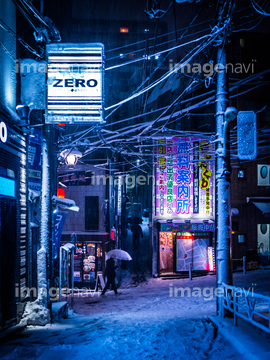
(149, 321)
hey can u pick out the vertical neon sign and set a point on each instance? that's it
(184, 175)
(206, 174)
(183, 178)
(161, 178)
(169, 176)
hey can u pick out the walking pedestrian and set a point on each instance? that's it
(110, 273)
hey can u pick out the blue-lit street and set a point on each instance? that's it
(134, 180)
(144, 322)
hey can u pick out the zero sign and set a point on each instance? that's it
(3, 132)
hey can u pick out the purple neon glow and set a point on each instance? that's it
(184, 177)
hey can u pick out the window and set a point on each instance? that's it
(123, 30)
(241, 239)
(241, 173)
(263, 172)
(263, 228)
(91, 213)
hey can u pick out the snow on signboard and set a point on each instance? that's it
(246, 135)
(75, 83)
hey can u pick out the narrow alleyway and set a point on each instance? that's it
(154, 320)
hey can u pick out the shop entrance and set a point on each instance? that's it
(192, 250)
(166, 253)
(182, 250)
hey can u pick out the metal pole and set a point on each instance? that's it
(60, 273)
(29, 228)
(72, 277)
(222, 173)
(111, 202)
(45, 228)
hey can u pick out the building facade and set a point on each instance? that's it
(14, 267)
(88, 187)
(183, 233)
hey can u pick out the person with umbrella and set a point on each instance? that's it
(110, 268)
(110, 273)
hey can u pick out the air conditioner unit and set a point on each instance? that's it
(263, 175)
(263, 237)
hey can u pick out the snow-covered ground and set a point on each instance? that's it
(158, 319)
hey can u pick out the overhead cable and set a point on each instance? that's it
(166, 34)
(34, 11)
(7, 52)
(258, 8)
(158, 53)
(11, 32)
(175, 68)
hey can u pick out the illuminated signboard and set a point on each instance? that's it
(211, 259)
(184, 177)
(3, 132)
(75, 83)
(7, 187)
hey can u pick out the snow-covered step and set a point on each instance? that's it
(59, 310)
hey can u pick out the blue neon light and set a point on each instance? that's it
(7, 187)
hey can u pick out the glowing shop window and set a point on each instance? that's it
(7, 187)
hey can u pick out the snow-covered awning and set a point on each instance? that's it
(262, 203)
(68, 246)
(65, 203)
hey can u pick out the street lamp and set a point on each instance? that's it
(230, 113)
(71, 156)
(23, 112)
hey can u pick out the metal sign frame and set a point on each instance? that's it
(75, 83)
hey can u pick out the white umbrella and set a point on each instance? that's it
(119, 254)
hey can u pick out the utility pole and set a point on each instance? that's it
(224, 273)
(45, 223)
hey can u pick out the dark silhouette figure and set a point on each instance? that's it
(137, 234)
(110, 273)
